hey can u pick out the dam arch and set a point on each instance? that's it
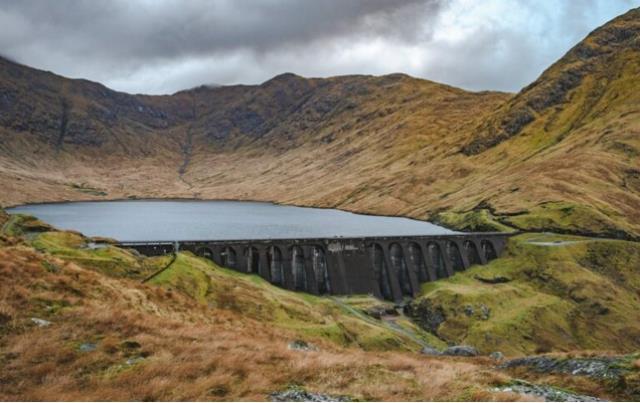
(455, 256)
(276, 267)
(252, 258)
(471, 251)
(298, 268)
(417, 257)
(399, 265)
(381, 271)
(205, 252)
(436, 257)
(229, 257)
(488, 249)
(320, 269)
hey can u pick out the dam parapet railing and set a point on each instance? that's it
(388, 267)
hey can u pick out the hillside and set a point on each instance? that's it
(78, 322)
(287, 134)
(560, 155)
(547, 293)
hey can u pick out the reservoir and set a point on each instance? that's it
(173, 220)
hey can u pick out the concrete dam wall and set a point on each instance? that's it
(387, 267)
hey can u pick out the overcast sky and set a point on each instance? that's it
(163, 46)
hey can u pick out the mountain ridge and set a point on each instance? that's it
(392, 145)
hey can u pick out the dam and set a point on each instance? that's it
(390, 268)
(319, 251)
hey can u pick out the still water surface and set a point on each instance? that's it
(172, 220)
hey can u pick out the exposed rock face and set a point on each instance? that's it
(426, 314)
(379, 311)
(301, 345)
(599, 367)
(497, 356)
(41, 322)
(460, 351)
(430, 351)
(548, 393)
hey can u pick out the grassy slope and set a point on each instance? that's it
(252, 297)
(224, 335)
(578, 295)
(248, 296)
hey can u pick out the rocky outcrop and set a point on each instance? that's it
(548, 393)
(460, 351)
(301, 395)
(595, 367)
(455, 351)
(301, 345)
(426, 314)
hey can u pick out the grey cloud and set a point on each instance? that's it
(166, 45)
(141, 32)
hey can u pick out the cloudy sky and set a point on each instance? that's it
(163, 46)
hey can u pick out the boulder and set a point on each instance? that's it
(301, 395)
(548, 393)
(41, 322)
(497, 356)
(430, 351)
(594, 367)
(87, 347)
(301, 345)
(461, 351)
(379, 311)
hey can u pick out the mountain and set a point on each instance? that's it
(560, 155)
(282, 140)
(572, 138)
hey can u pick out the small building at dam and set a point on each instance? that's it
(387, 267)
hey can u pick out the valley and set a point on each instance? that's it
(391, 145)
(556, 165)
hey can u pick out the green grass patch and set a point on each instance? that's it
(582, 294)
(308, 316)
(23, 224)
(107, 259)
(475, 220)
(567, 217)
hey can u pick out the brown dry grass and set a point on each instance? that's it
(190, 351)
